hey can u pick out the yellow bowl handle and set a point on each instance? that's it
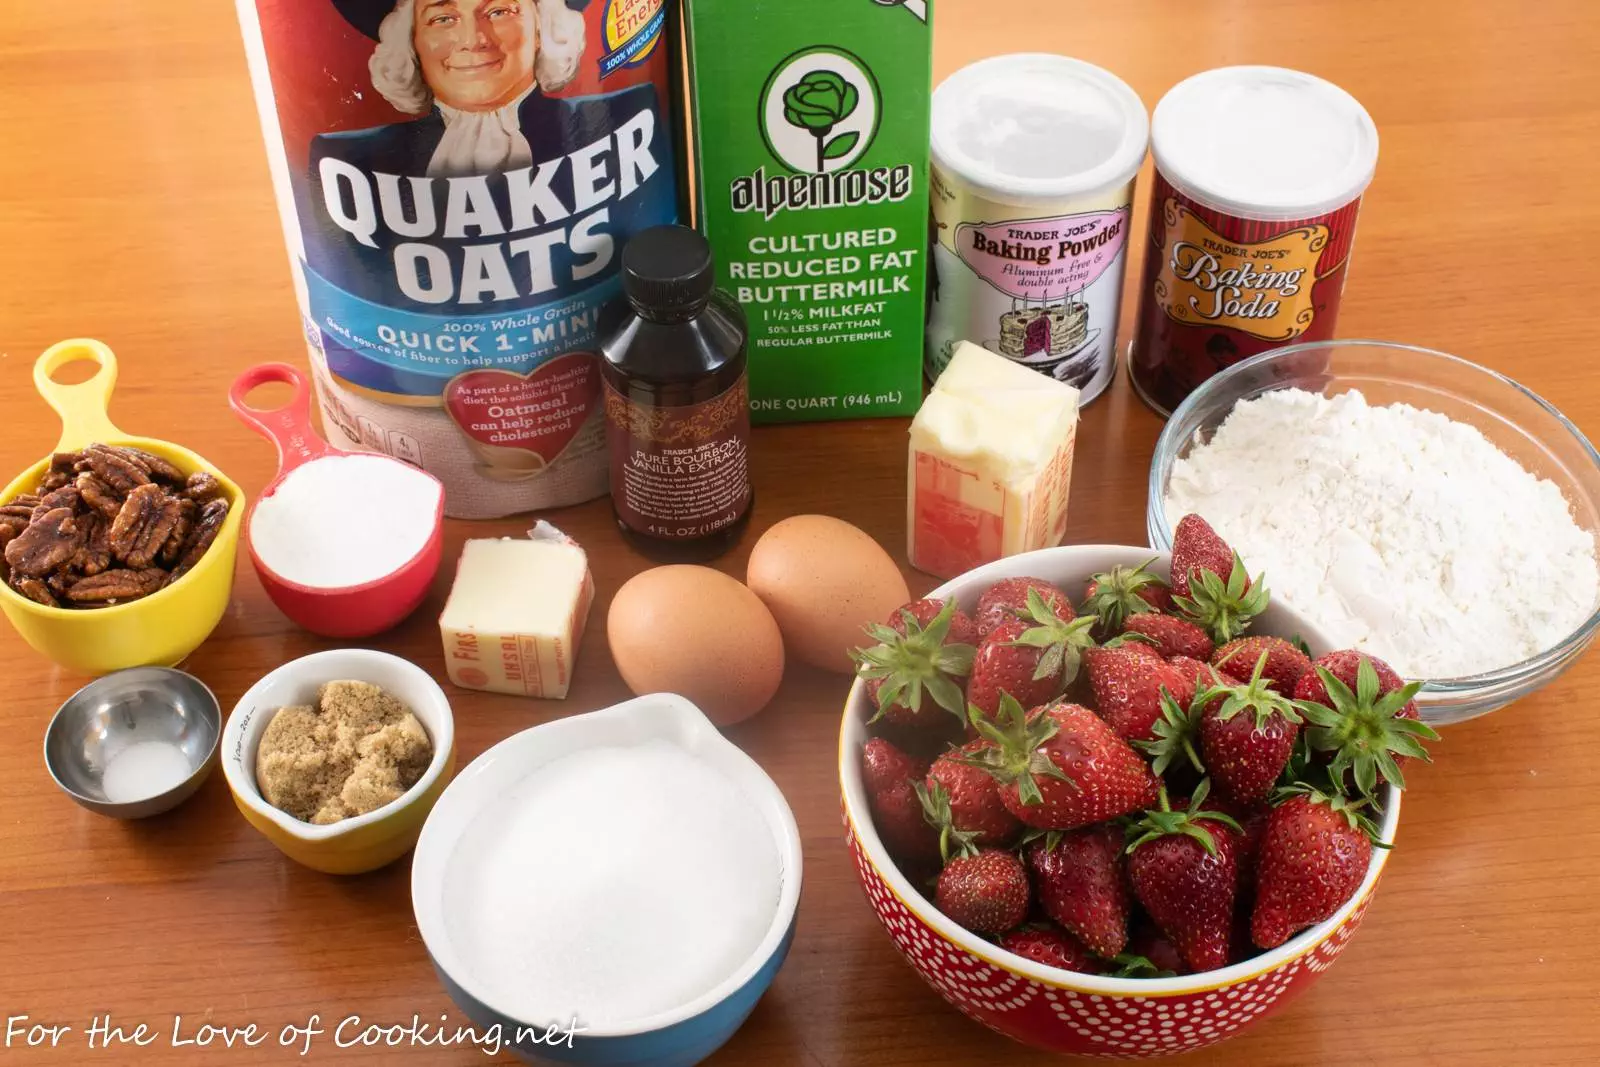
(82, 407)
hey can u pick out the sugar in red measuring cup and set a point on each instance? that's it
(345, 543)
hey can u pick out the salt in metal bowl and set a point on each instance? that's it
(111, 714)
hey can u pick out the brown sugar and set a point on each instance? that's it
(356, 751)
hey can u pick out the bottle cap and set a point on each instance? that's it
(668, 268)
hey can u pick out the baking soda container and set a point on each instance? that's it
(1034, 158)
(1259, 176)
(456, 182)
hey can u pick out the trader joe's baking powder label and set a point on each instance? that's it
(1040, 283)
(456, 180)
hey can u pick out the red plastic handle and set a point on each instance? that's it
(288, 427)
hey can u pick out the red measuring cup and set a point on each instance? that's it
(332, 611)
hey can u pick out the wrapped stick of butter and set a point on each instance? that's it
(516, 613)
(990, 463)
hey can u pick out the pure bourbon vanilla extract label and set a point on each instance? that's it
(680, 473)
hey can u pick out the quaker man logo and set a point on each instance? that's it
(819, 114)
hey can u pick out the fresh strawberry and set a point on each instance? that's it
(1247, 734)
(1362, 717)
(1314, 855)
(1209, 583)
(1007, 599)
(970, 804)
(1183, 866)
(1172, 636)
(1051, 947)
(1078, 880)
(920, 662)
(986, 892)
(1205, 676)
(890, 777)
(1061, 767)
(1033, 659)
(1285, 662)
(1148, 943)
(1127, 688)
(1197, 547)
(1119, 594)
(883, 765)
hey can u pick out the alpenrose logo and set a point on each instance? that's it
(819, 114)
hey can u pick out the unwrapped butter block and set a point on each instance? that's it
(990, 465)
(516, 613)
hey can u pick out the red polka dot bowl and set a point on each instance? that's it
(1064, 1011)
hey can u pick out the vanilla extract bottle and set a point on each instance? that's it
(673, 358)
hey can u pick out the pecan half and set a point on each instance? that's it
(117, 586)
(19, 511)
(205, 531)
(9, 530)
(158, 468)
(202, 487)
(143, 525)
(117, 469)
(94, 555)
(35, 590)
(46, 544)
(98, 495)
(172, 551)
(65, 497)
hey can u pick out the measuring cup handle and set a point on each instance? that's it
(288, 427)
(82, 407)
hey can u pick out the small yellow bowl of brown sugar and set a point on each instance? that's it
(338, 757)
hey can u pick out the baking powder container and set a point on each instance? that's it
(1034, 157)
(1259, 175)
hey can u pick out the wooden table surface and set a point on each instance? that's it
(135, 208)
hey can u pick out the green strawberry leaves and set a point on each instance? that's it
(1364, 729)
(1116, 595)
(1016, 753)
(1255, 696)
(1176, 731)
(1354, 816)
(1063, 642)
(1224, 610)
(1128, 965)
(1164, 822)
(916, 663)
(936, 810)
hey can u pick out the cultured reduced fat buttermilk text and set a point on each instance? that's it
(810, 151)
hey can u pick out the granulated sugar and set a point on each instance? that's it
(143, 770)
(611, 885)
(1395, 530)
(345, 520)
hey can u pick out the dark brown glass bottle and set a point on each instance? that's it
(677, 406)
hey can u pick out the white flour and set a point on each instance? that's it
(345, 520)
(1397, 531)
(612, 885)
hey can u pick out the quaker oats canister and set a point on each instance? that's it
(1033, 166)
(456, 180)
(1259, 176)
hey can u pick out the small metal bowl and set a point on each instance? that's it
(112, 714)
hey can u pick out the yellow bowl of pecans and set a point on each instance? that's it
(118, 550)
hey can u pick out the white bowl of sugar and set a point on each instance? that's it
(617, 887)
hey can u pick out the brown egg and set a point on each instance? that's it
(823, 580)
(696, 632)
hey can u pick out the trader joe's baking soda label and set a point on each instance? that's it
(456, 180)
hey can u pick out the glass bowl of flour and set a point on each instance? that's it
(1421, 508)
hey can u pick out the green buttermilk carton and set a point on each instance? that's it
(807, 123)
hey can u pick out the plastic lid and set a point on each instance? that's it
(1039, 125)
(668, 268)
(1264, 142)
